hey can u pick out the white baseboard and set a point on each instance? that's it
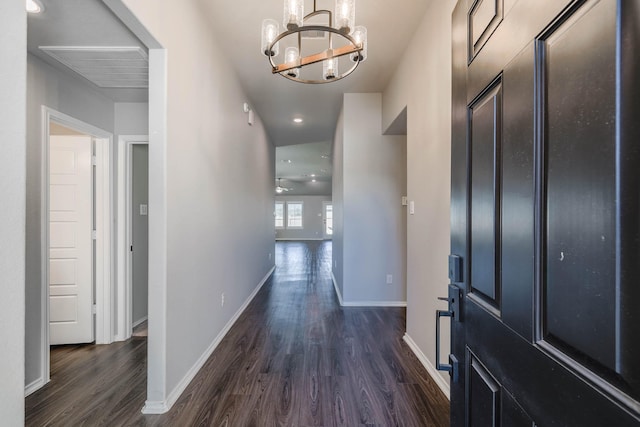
(298, 239)
(364, 303)
(138, 322)
(161, 407)
(433, 372)
(34, 386)
(374, 304)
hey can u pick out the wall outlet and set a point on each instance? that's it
(335, 264)
(269, 256)
(222, 300)
(389, 279)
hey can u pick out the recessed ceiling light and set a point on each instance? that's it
(313, 175)
(286, 161)
(313, 180)
(298, 120)
(324, 156)
(33, 6)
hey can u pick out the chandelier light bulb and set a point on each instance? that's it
(293, 14)
(270, 30)
(345, 15)
(360, 36)
(330, 68)
(292, 54)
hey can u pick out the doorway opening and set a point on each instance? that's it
(76, 239)
(133, 233)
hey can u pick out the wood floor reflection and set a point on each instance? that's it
(294, 358)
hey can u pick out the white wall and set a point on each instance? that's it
(219, 237)
(13, 46)
(72, 96)
(373, 233)
(131, 118)
(422, 84)
(312, 218)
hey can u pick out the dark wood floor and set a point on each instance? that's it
(294, 358)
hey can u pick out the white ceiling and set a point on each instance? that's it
(390, 25)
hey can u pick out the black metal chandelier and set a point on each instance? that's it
(304, 36)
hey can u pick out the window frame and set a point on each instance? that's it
(288, 220)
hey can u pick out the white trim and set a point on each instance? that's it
(48, 115)
(140, 321)
(374, 304)
(124, 319)
(326, 236)
(431, 370)
(364, 303)
(335, 286)
(298, 239)
(160, 407)
(34, 386)
(104, 218)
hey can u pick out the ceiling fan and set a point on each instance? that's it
(280, 188)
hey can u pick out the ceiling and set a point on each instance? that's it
(390, 25)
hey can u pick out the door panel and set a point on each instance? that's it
(580, 185)
(486, 123)
(545, 212)
(70, 241)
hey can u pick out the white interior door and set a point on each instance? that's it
(70, 240)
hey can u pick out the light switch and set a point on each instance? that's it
(404, 201)
(143, 210)
(412, 207)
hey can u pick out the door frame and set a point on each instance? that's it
(103, 197)
(124, 285)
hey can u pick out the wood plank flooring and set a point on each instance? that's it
(294, 358)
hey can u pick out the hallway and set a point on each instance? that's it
(294, 358)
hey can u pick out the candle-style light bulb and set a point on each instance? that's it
(330, 68)
(293, 14)
(291, 54)
(360, 36)
(345, 15)
(270, 30)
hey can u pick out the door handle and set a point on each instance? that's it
(454, 313)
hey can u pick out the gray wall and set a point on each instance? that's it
(427, 97)
(218, 237)
(373, 181)
(72, 96)
(13, 45)
(312, 218)
(140, 232)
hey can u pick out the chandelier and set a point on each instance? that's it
(313, 47)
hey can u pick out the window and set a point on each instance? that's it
(294, 214)
(279, 214)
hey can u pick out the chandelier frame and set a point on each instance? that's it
(352, 48)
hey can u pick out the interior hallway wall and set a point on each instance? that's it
(371, 169)
(422, 84)
(74, 97)
(13, 45)
(218, 196)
